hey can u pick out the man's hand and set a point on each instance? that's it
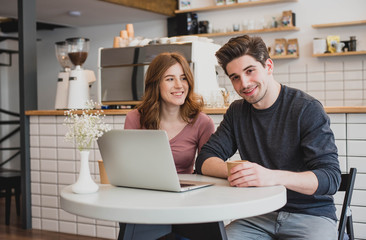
(250, 174)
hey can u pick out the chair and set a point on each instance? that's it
(8, 181)
(347, 183)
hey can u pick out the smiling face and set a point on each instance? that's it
(174, 86)
(252, 81)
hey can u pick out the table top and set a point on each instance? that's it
(210, 204)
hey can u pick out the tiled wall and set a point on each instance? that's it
(350, 133)
(54, 165)
(341, 83)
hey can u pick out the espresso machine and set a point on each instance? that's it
(63, 76)
(80, 80)
(122, 71)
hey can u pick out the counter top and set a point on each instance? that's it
(62, 112)
(356, 109)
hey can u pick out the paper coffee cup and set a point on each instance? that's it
(102, 173)
(130, 31)
(123, 34)
(117, 42)
(163, 40)
(231, 164)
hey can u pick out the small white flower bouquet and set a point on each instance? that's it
(85, 128)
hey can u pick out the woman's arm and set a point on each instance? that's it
(206, 128)
(132, 120)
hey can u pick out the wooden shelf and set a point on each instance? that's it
(353, 53)
(354, 109)
(234, 5)
(340, 24)
(266, 30)
(284, 56)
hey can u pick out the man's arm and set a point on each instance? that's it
(214, 167)
(221, 145)
(319, 148)
(251, 174)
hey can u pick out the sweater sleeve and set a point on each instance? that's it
(205, 131)
(132, 120)
(320, 151)
(221, 144)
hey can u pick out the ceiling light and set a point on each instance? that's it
(75, 13)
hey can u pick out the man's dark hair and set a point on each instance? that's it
(240, 46)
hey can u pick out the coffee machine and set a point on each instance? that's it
(122, 71)
(63, 76)
(80, 80)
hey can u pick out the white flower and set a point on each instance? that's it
(85, 128)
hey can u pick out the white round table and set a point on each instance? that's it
(149, 207)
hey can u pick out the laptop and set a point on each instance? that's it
(142, 159)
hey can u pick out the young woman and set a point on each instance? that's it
(170, 104)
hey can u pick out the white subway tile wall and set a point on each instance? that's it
(55, 163)
(350, 137)
(67, 227)
(106, 232)
(332, 83)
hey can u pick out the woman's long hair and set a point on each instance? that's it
(149, 109)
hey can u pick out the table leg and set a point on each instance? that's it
(142, 231)
(201, 231)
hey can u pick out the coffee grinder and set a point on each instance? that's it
(63, 76)
(80, 79)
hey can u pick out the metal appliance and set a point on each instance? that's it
(183, 24)
(80, 79)
(63, 76)
(122, 70)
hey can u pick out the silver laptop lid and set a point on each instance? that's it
(139, 159)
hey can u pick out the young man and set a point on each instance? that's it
(285, 135)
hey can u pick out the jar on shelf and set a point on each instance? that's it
(352, 43)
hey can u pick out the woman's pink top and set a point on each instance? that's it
(185, 144)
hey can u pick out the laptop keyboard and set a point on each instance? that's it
(186, 185)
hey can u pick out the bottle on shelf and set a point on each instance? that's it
(352, 43)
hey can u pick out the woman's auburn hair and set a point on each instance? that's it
(149, 108)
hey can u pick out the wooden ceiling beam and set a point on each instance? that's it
(165, 7)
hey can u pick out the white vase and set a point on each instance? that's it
(85, 183)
